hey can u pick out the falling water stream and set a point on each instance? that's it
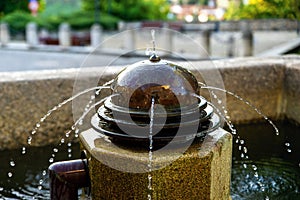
(150, 149)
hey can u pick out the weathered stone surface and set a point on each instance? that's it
(257, 81)
(202, 172)
(25, 97)
(292, 91)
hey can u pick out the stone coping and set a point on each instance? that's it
(270, 84)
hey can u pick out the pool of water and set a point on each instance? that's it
(273, 164)
(25, 176)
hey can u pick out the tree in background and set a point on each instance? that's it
(17, 14)
(9, 6)
(264, 9)
(131, 9)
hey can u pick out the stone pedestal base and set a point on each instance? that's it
(202, 172)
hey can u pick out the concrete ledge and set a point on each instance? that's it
(281, 49)
(270, 84)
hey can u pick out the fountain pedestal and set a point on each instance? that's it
(202, 172)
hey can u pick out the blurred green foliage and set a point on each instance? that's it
(9, 6)
(80, 14)
(78, 20)
(17, 20)
(130, 10)
(264, 9)
(54, 14)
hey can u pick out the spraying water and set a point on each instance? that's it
(150, 149)
(247, 103)
(55, 150)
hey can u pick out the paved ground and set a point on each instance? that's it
(17, 57)
(19, 60)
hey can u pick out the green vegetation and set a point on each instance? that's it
(78, 20)
(56, 12)
(131, 10)
(8, 6)
(80, 14)
(264, 9)
(17, 20)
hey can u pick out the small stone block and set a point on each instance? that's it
(203, 171)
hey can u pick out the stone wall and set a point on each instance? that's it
(270, 84)
(261, 25)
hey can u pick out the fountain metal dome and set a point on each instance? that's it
(172, 89)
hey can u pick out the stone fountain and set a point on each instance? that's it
(191, 154)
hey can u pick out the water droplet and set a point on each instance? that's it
(23, 150)
(240, 148)
(233, 131)
(55, 150)
(267, 198)
(256, 175)
(69, 144)
(242, 155)
(38, 125)
(33, 132)
(29, 139)
(51, 160)
(40, 187)
(254, 167)
(245, 165)
(289, 150)
(219, 101)
(62, 140)
(69, 150)
(237, 141)
(242, 141)
(41, 181)
(44, 173)
(42, 119)
(1, 189)
(287, 144)
(12, 163)
(9, 174)
(69, 155)
(76, 131)
(245, 150)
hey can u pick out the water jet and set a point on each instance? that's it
(277, 78)
(154, 138)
